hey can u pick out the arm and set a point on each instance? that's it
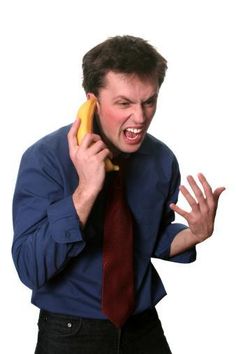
(47, 230)
(169, 229)
(48, 223)
(200, 219)
(89, 162)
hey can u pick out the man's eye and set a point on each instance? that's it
(123, 104)
(150, 103)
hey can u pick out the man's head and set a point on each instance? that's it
(124, 74)
(121, 54)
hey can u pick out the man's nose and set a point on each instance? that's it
(139, 114)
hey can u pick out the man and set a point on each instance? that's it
(61, 203)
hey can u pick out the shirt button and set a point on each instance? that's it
(69, 324)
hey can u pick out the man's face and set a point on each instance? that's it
(126, 106)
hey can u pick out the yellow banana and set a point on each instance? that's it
(86, 114)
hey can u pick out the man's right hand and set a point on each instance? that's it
(89, 161)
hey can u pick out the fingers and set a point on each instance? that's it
(206, 186)
(93, 145)
(72, 134)
(203, 200)
(179, 210)
(91, 148)
(218, 192)
(196, 189)
(192, 201)
(90, 141)
(209, 197)
(87, 141)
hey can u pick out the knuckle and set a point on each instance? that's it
(193, 203)
(199, 193)
(209, 189)
(100, 143)
(106, 151)
(212, 205)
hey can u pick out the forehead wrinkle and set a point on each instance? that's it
(129, 99)
(130, 87)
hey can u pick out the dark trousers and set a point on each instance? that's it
(59, 334)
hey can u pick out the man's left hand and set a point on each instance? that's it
(203, 205)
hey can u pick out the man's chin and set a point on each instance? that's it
(129, 148)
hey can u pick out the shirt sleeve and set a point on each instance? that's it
(169, 229)
(47, 230)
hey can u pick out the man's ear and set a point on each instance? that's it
(90, 95)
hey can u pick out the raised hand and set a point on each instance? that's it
(203, 203)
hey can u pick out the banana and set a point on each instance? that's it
(86, 114)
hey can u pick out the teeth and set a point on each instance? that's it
(134, 130)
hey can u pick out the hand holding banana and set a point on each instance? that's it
(86, 114)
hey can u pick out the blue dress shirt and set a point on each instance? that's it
(62, 263)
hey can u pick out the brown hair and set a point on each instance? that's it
(121, 54)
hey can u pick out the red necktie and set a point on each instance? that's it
(118, 262)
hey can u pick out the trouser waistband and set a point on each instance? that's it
(134, 319)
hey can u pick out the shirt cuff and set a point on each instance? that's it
(187, 256)
(64, 222)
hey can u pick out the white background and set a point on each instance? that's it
(42, 44)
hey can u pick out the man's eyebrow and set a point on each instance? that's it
(121, 97)
(153, 97)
